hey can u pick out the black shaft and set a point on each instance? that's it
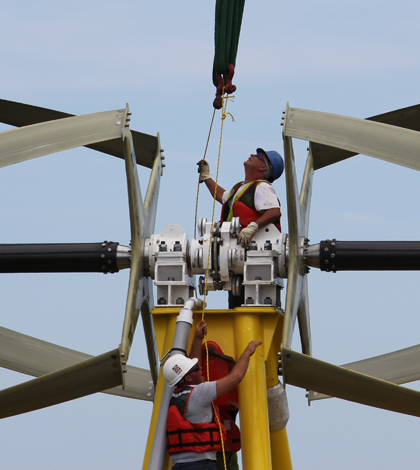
(59, 258)
(369, 256)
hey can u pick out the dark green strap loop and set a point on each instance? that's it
(228, 20)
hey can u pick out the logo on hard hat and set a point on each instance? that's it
(176, 369)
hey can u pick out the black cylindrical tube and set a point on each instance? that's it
(59, 258)
(369, 256)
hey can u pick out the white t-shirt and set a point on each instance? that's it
(265, 197)
(199, 410)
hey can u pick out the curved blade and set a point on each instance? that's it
(298, 210)
(25, 143)
(408, 118)
(304, 319)
(294, 277)
(385, 142)
(33, 356)
(398, 367)
(20, 114)
(305, 204)
(152, 194)
(312, 374)
(306, 193)
(140, 294)
(87, 377)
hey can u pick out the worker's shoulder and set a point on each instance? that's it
(204, 391)
(264, 186)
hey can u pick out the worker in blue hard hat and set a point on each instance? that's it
(253, 200)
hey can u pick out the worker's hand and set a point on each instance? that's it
(252, 346)
(246, 234)
(201, 330)
(204, 170)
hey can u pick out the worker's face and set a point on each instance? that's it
(195, 377)
(256, 161)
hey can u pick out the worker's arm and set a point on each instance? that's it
(200, 332)
(268, 217)
(219, 192)
(238, 371)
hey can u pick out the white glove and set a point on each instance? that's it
(204, 170)
(246, 234)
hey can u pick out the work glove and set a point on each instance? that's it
(246, 234)
(204, 170)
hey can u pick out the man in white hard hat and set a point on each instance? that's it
(192, 430)
(253, 200)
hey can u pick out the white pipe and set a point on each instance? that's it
(184, 323)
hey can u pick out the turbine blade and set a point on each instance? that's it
(385, 142)
(152, 194)
(25, 143)
(35, 357)
(304, 319)
(408, 118)
(294, 278)
(398, 367)
(310, 373)
(305, 204)
(306, 193)
(20, 114)
(88, 377)
(138, 297)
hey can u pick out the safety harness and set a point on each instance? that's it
(241, 204)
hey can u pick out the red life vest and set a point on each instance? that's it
(184, 436)
(243, 206)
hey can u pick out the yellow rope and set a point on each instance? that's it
(225, 100)
(198, 185)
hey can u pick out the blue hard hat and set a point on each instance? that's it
(276, 161)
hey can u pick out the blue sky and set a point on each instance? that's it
(358, 59)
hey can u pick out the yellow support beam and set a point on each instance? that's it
(233, 330)
(253, 408)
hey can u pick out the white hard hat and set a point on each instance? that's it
(176, 367)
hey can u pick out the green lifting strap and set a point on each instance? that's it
(226, 39)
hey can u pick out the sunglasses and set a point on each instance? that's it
(260, 157)
(196, 369)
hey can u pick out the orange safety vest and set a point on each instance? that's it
(184, 436)
(242, 205)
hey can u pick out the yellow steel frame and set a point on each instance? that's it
(232, 330)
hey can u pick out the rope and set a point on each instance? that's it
(225, 100)
(198, 184)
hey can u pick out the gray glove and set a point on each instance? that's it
(204, 170)
(246, 234)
